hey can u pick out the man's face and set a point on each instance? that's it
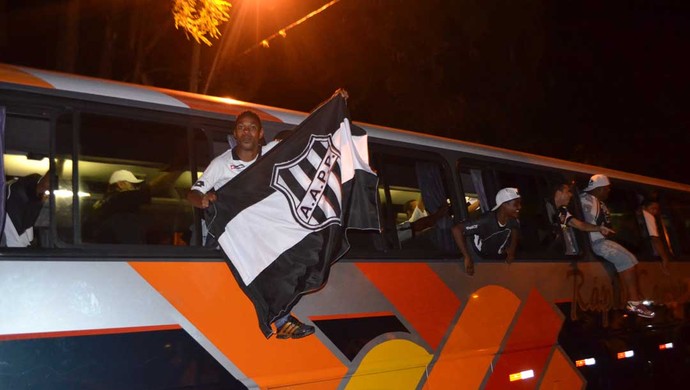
(248, 133)
(604, 193)
(512, 208)
(563, 195)
(653, 208)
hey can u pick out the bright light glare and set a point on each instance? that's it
(475, 296)
(521, 375)
(626, 354)
(68, 194)
(666, 346)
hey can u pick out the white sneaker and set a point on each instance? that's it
(638, 308)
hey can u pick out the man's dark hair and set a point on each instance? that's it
(250, 114)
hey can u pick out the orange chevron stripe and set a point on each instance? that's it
(467, 354)
(529, 344)
(418, 294)
(560, 374)
(210, 298)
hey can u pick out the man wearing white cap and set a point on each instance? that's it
(116, 218)
(596, 213)
(494, 234)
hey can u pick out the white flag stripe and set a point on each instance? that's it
(314, 158)
(350, 158)
(303, 180)
(250, 226)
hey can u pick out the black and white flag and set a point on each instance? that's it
(281, 223)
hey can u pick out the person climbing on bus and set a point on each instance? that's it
(651, 211)
(25, 197)
(561, 218)
(596, 213)
(248, 132)
(494, 234)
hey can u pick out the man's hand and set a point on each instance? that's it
(199, 200)
(208, 198)
(664, 267)
(606, 231)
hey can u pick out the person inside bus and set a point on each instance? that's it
(651, 212)
(415, 209)
(494, 234)
(117, 218)
(595, 212)
(25, 197)
(248, 132)
(561, 218)
(413, 228)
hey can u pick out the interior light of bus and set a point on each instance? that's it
(68, 194)
(626, 354)
(521, 375)
(585, 362)
(665, 346)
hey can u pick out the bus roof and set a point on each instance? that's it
(27, 79)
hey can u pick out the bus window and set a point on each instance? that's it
(676, 219)
(26, 156)
(412, 192)
(132, 176)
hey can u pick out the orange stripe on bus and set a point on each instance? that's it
(531, 340)
(418, 294)
(14, 75)
(469, 351)
(210, 298)
(87, 332)
(560, 374)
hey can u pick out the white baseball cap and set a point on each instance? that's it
(596, 181)
(123, 175)
(505, 195)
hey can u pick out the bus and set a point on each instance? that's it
(166, 313)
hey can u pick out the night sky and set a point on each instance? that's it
(601, 82)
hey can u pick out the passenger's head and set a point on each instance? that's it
(599, 186)
(248, 131)
(651, 206)
(508, 201)
(410, 205)
(122, 180)
(562, 194)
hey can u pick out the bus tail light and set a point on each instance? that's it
(626, 354)
(521, 375)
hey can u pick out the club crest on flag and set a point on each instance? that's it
(311, 183)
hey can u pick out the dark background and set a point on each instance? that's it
(600, 82)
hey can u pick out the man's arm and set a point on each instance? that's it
(201, 200)
(588, 227)
(430, 220)
(459, 237)
(663, 253)
(512, 248)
